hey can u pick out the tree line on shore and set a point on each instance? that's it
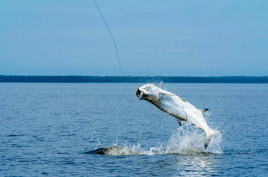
(133, 79)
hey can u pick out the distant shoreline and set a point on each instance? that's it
(132, 79)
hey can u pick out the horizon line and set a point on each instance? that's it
(122, 76)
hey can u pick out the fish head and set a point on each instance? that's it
(148, 92)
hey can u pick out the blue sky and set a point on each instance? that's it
(154, 38)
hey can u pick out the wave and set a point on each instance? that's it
(185, 140)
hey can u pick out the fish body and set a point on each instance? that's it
(177, 107)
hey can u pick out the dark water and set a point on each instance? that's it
(46, 130)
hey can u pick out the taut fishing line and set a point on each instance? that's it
(111, 36)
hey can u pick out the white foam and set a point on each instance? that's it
(184, 140)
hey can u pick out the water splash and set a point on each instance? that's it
(190, 140)
(185, 140)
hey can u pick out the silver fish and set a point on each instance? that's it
(177, 107)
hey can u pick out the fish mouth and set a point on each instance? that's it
(140, 94)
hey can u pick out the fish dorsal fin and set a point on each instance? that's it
(161, 85)
(204, 110)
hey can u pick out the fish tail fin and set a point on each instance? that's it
(209, 135)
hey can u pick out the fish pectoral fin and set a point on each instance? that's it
(180, 122)
(204, 110)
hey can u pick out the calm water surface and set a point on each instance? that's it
(46, 130)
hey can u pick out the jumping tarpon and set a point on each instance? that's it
(177, 107)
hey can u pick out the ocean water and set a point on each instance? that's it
(49, 130)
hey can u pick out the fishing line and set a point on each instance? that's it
(111, 36)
